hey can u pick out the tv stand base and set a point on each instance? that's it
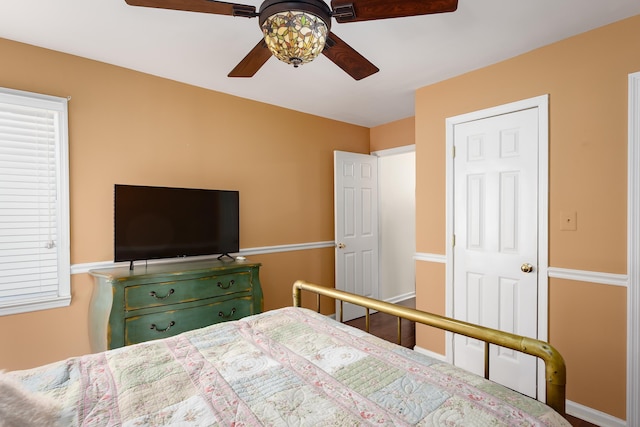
(225, 255)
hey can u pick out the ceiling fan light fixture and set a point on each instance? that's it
(295, 31)
(295, 37)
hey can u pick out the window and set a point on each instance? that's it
(34, 202)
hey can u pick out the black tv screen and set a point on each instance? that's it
(163, 222)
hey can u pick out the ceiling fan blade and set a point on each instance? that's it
(347, 58)
(205, 6)
(251, 63)
(367, 10)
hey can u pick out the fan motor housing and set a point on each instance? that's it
(314, 7)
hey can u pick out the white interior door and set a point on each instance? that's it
(495, 281)
(356, 226)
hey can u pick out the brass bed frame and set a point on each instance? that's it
(555, 370)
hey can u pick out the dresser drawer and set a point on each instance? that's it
(168, 323)
(165, 299)
(165, 293)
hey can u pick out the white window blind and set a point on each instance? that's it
(34, 208)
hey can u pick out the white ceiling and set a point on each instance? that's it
(200, 49)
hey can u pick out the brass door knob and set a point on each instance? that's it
(526, 267)
(341, 246)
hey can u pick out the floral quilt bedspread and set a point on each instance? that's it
(287, 367)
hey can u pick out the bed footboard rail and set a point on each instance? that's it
(555, 370)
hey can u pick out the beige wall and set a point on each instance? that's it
(586, 79)
(394, 134)
(131, 128)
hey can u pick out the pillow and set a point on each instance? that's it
(19, 407)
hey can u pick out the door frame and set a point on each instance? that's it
(633, 252)
(542, 104)
(381, 154)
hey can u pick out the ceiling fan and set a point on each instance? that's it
(296, 31)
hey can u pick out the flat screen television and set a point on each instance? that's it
(164, 222)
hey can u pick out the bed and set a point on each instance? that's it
(290, 367)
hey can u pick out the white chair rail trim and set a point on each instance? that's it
(589, 276)
(421, 256)
(88, 266)
(554, 272)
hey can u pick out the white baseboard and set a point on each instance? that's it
(400, 298)
(430, 353)
(593, 416)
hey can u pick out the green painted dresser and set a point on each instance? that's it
(165, 299)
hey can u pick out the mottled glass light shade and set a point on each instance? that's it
(295, 37)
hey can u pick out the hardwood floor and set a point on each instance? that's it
(385, 326)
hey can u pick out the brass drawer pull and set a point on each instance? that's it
(153, 326)
(233, 311)
(221, 286)
(153, 294)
